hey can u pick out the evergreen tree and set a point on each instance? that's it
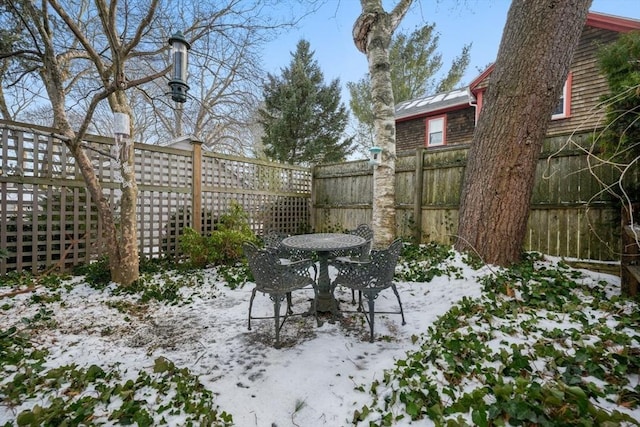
(303, 118)
(620, 63)
(414, 65)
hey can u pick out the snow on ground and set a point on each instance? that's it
(309, 382)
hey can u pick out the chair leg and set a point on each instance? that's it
(276, 315)
(289, 304)
(395, 291)
(314, 306)
(372, 303)
(353, 297)
(334, 304)
(253, 295)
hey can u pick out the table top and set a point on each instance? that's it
(323, 241)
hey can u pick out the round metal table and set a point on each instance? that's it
(323, 244)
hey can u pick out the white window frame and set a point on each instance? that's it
(564, 101)
(439, 128)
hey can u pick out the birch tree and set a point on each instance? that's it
(372, 33)
(415, 68)
(533, 61)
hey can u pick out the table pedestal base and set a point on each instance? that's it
(326, 304)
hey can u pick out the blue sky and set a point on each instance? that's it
(458, 22)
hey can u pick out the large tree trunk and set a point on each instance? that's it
(372, 35)
(533, 62)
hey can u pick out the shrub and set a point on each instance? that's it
(178, 222)
(224, 245)
(195, 247)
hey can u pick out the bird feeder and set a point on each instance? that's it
(121, 124)
(375, 156)
(178, 82)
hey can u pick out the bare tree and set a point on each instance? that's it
(17, 91)
(90, 56)
(372, 34)
(533, 61)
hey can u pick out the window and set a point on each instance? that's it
(563, 109)
(436, 131)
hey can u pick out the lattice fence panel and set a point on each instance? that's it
(164, 178)
(275, 197)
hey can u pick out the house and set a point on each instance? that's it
(449, 118)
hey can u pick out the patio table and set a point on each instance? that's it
(323, 244)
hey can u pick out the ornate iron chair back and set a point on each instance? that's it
(273, 242)
(366, 232)
(277, 280)
(370, 277)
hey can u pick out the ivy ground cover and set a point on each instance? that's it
(539, 344)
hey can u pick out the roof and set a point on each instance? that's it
(430, 104)
(594, 19)
(446, 101)
(611, 22)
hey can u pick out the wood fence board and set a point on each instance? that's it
(568, 210)
(439, 225)
(46, 209)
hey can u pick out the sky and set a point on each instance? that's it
(458, 22)
(312, 381)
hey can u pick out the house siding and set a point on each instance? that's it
(588, 84)
(411, 134)
(460, 126)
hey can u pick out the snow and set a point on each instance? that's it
(311, 381)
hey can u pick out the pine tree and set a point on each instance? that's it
(414, 66)
(620, 63)
(303, 118)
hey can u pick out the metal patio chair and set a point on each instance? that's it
(273, 242)
(278, 279)
(361, 253)
(370, 277)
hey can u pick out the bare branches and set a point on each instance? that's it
(614, 170)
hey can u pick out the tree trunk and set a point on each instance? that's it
(532, 64)
(121, 272)
(127, 270)
(122, 244)
(372, 35)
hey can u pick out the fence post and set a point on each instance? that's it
(196, 185)
(313, 201)
(630, 257)
(417, 196)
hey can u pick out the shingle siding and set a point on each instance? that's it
(410, 134)
(588, 87)
(460, 126)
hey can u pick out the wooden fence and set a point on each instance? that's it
(47, 217)
(570, 215)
